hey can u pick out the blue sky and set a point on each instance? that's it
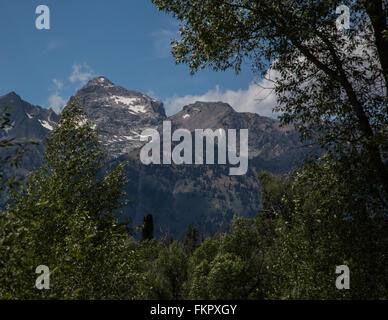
(126, 41)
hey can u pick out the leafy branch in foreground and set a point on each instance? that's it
(331, 85)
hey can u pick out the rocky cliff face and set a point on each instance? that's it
(30, 122)
(266, 138)
(119, 114)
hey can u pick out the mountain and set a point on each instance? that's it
(206, 195)
(267, 139)
(30, 122)
(119, 114)
(177, 195)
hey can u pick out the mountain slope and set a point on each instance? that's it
(266, 138)
(177, 195)
(30, 122)
(206, 195)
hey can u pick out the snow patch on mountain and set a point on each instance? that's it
(125, 100)
(46, 124)
(134, 104)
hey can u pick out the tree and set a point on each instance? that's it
(67, 220)
(331, 85)
(231, 266)
(167, 273)
(329, 225)
(191, 239)
(273, 190)
(147, 228)
(12, 149)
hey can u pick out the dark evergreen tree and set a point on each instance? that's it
(147, 228)
(191, 238)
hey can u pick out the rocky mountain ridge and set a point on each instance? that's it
(177, 195)
(119, 114)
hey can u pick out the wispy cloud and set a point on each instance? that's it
(56, 101)
(58, 84)
(81, 73)
(259, 98)
(52, 45)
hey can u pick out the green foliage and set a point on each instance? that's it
(167, 273)
(230, 266)
(330, 225)
(332, 85)
(67, 221)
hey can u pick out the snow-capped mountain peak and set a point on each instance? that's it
(119, 114)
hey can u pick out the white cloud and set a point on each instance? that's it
(58, 84)
(258, 98)
(81, 73)
(152, 94)
(56, 102)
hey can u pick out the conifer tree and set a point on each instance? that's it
(191, 238)
(147, 228)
